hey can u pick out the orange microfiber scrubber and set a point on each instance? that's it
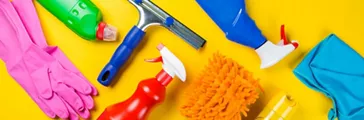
(222, 91)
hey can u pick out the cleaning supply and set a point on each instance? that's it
(150, 92)
(82, 17)
(57, 90)
(150, 14)
(28, 15)
(280, 107)
(223, 91)
(234, 21)
(337, 71)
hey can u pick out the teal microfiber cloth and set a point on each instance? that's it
(336, 70)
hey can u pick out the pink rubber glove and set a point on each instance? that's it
(56, 90)
(27, 13)
(29, 17)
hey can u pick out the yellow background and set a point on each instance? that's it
(308, 21)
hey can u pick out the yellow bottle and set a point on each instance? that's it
(280, 107)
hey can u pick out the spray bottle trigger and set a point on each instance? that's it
(284, 40)
(158, 59)
(283, 36)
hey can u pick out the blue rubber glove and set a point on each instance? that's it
(336, 70)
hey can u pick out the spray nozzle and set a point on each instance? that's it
(171, 64)
(271, 54)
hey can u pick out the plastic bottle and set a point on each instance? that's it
(82, 17)
(280, 107)
(150, 92)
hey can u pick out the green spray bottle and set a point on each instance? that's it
(82, 17)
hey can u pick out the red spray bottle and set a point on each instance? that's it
(150, 92)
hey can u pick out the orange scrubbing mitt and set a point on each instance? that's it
(222, 91)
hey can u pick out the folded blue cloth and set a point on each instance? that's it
(336, 70)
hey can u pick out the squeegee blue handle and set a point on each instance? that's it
(121, 55)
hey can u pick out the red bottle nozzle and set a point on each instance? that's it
(163, 77)
(172, 66)
(158, 59)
